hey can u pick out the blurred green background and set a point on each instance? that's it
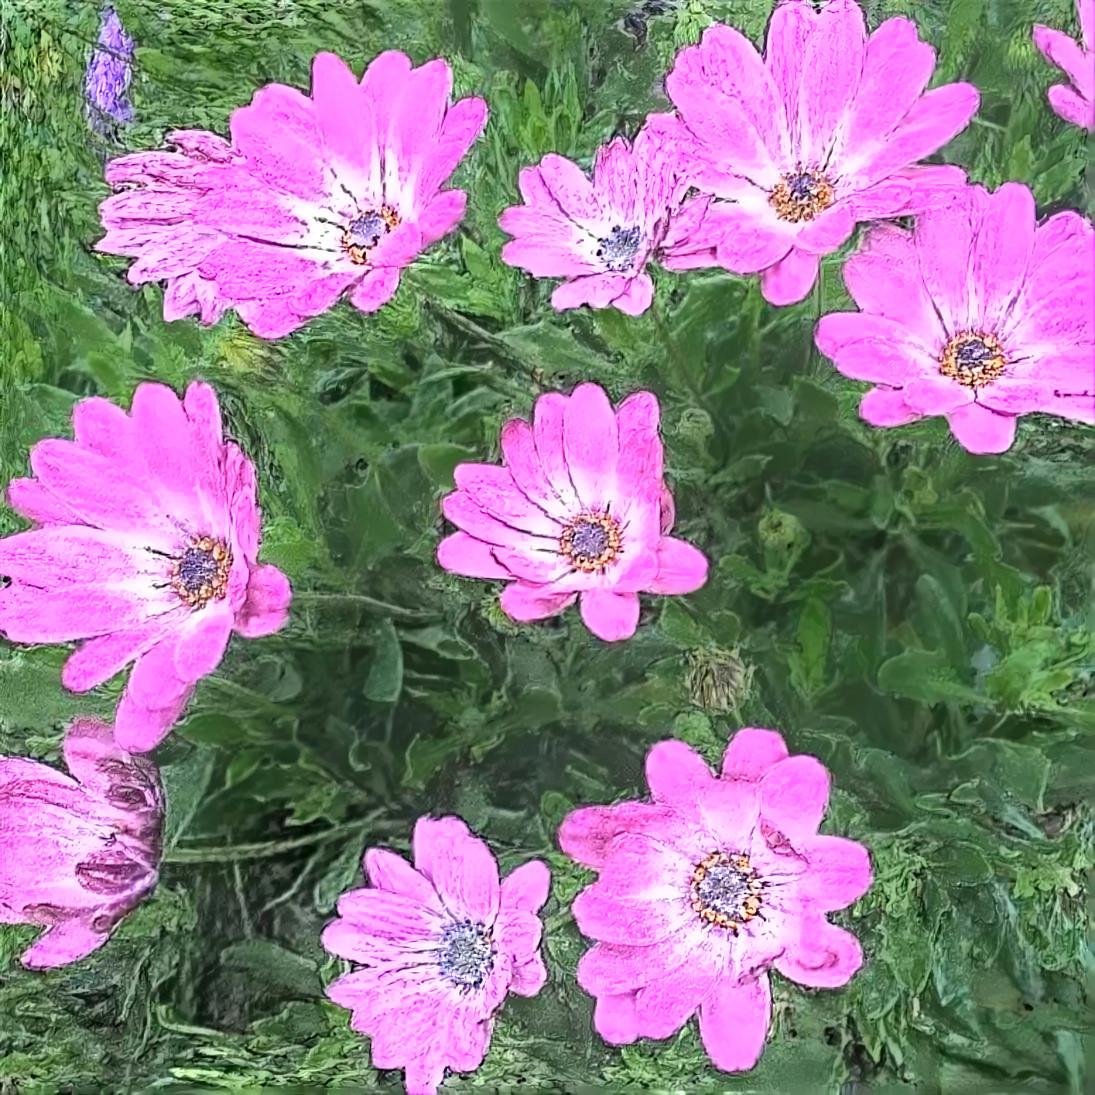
(919, 618)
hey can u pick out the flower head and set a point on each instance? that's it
(439, 945)
(146, 549)
(77, 852)
(580, 510)
(979, 314)
(600, 234)
(109, 73)
(820, 133)
(1076, 104)
(313, 197)
(703, 890)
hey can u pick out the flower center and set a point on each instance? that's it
(617, 250)
(591, 541)
(200, 574)
(801, 195)
(972, 359)
(366, 230)
(726, 890)
(466, 955)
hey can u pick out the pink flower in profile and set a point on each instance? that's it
(440, 945)
(312, 197)
(706, 888)
(1076, 104)
(822, 132)
(77, 852)
(600, 234)
(147, 550)
(580, 510)
(979, 314)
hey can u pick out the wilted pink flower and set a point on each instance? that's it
(705, 889)
(1076, 104)
(979, 314)
(147, 550)
(601, 234)
(441, 944)
(817, 135)
(312, 197)
(77, 852)
(580, 510)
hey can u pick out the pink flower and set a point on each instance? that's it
(1076, 104)
(440, 945)
(705, 889)
(312, 197)
(77, 852)
(817, 135)
(601, 234)
(579, 510)
(147, 546)
(979, 314)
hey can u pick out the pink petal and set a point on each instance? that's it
(1001, 251)
(526, 888)
(267, 605)
(746, 241)
(463, 123)
(677, 775)
(523, 461)
(154, 697)
(104, 428)
(597, 290)
(494, 491)
(820, 955)
(794, 794)
(734, 1023)
(789, 31)
(979, 430)
(32, 615)
(839, 872)
(97, 660)
(377, 926)
(270, 317)
(614, 1018)
(35, 502)
(591, 445)
(639, 471)
(1067, 103)
(637, 297)
(375, 289)
(66, 942)
(610, 616)
(873, 348)
(346, 125)
(518, 934)
(1067, 54)
(664, 1006)
(681, 567)
(388, 871)
(828, 231)
(74, 557)
(750, 753)
(935, 395)
(547, 429)
(566, 185)
(529, 978)
(460, 866)
(587, 833)
(791, 279)
(461, 509)
(886, 407)
(526, 602)
(200, 646)
(441, 216)
(610, 969)
(463, 554)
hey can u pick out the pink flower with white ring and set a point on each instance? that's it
(580, 511)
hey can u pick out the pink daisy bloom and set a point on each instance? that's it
(440, 945)
(580, 510)
(979, 314)
(77, 852)
(600, 234)
(312, 197)
(815, 136)
(147, 550)
(706, 888)
(1076, 104)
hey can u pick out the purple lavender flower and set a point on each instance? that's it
(108, 75)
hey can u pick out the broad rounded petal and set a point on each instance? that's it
(375, 289)
(637, 297)
(463, 554)
(886, 407)
(97, 660)
(154, 697)
(270, 317)
(388, 871)
(677, 775)
(586, 834)
(606, 968)
(1067, 103)
(682, 568)
(201, 645)
(839, 871)
(527, 602)
(568, 186)
(935, 395)
(597, 290)
(267, 605)
(523, 461)
(63, 943)
(746, 240)
(872, 348)
(546, 244)
(751, 752)
(614, 1018)
(981, 431)
(734, 1023)
(385, 923)
(36, 502)
(526, 888)
(610, 616)
(460, 866)
(530, 977)
(1001, 251)
(791, 279)
(591, 445)
(103, 427)
(347, 126)
(794, 794)
(494, 490)
(830, 230)
(518, 933)
(664, 1006)
(820, 955)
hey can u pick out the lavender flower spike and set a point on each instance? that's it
(109, 74)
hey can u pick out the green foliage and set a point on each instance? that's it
(917, 617)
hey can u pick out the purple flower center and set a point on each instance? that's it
(465, 956)
(617, 250)
(801, 195)
(200, 574)
(591, 541)
(366, 230)
(726, 890)
(973, 359)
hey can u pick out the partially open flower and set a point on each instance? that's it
(77, 852)
(1075, 102)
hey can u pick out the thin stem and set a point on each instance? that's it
(361, 600)
(235, 853)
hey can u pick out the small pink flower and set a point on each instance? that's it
(147, 550)
(979, 314)
(705, 889)
(312, 197)
(440, 945)
(815, 136)
(580, 510)
(601, 234)
(77, 852)
(1076, 104)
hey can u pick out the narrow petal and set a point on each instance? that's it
(460, 866)
(820, 955)
(839, 872)
(751, 752)
(32, 615)
(388, 871)
(591, 445)
(441, 216)
(791, 279)
(494, 490)
(640, 462)
(664, 1006)
(794, 794)
(463, 554)
(886, 407)
(1001, 251)
(547, 429)
(468, 516)
(63, 943)
(97, 660)
(734, 1023)
(527, 602)
(523, 461)
(526, 887)
(979, 430)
